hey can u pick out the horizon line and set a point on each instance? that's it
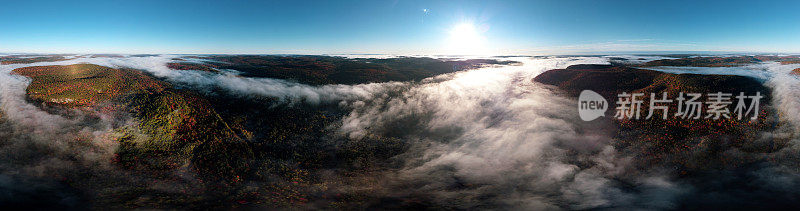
(594, 53)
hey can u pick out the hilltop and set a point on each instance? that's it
(674, 141)
(85, 84)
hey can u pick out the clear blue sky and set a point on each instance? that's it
(396, 26)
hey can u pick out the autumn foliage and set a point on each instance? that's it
(673, 140)
(191, 66)
(85, 84)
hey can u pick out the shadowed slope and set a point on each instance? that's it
(227, 142)
(174, 126)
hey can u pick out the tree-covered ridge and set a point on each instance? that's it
(790, 62)
(674, 141)
(190, 66)
(297, 152)
(174, 126)
(178, 128)
(27, 60)
(713, 61)
(229, 142)
(320, 70)
(85, 84)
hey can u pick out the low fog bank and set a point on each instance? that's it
(228, 80)
(491, 138)
(40, 150)
(58, 158)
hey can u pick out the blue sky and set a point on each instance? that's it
(397, 26)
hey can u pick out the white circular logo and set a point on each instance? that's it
(591, 105)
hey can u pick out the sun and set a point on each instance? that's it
(466, 39)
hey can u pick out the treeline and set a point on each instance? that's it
(320, 70)
(19, 60)
(714, 61)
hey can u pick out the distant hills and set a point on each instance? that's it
(730, 61)
(27, 59)
(320, 70)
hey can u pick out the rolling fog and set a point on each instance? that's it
(488, 137)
